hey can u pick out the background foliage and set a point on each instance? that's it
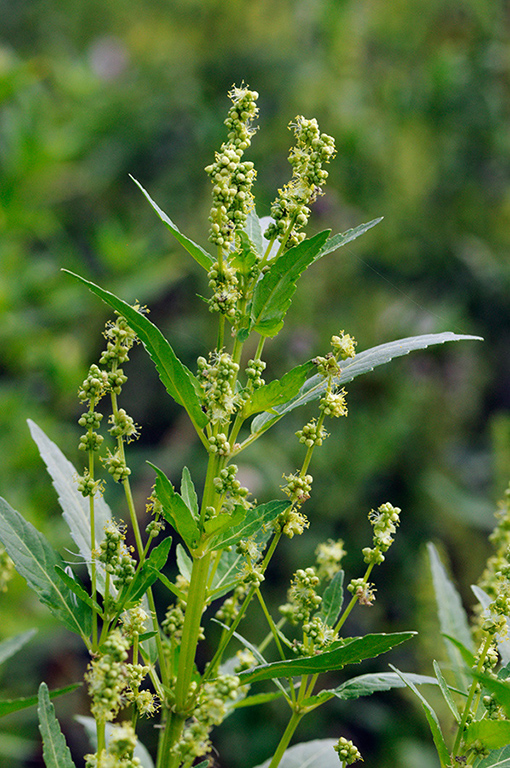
(416, 96)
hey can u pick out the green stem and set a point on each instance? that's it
(271, 623)
(353, 602)
(285, 740)
(171, 734)
(471, 694)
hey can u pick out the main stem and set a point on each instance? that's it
(285, 740)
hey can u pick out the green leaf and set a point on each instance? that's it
(35, 560)
(502, 640)
(216, 525)
(75, 507)
(199, 254)
(351, 651)
(278, 391)
(175, 509)
(203, 764)
(13, 644)
(90, 728)
(255, 519)
(435, 728)
(363, 362)
(184, 562)
(74, 585)
(452, 616)
(332, 600)
(258, 698)
(499, 688)
(8, 706)
(494, 733)
(245, 257)
(179, 381)
(272, 296)
(55, 750)
(189, 494)
(445, 690)
(337, 241)
(319, 753)
(366, 685)
(149, 572)
(498, 758)
(254, 231)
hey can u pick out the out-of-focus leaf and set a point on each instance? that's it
(493, 733)
(8, 706)
(12, 645)
(189, 493)
(446, 692)
(55, 750)
(319, 753)
(332, 600)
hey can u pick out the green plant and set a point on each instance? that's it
(143, 665)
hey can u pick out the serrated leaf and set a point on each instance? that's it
(453, 620)
(178, 380)
(362, 363)
(337, 241)
(175, 509)
(75, 507)
(199, 254)
(74, 586)
(332, 600)
(273, 293)
(55, 750)
(493, 733)
(352, 651)
(498, 758)
(366, 685)
(499, 688)
(443, 685)
(184, 562)
(90, 727)
(435, 728)
(189, 493)
(35, 560)
(8, 706)
(216, 525)
(278, 391)
(149, 572)
(12, 645)
(255, 519)
(319, 753)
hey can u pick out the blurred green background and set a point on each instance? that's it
(416, 95)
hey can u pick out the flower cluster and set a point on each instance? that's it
(290, 210)
(215, 378)
(107, 677)
(384, 522)
(231, 176)
(291, 523)
(328, 557)
(362, 590)
(6, 569)
(302, 597)
(312, 434)
(119, 754)
(347, 752)
(115, 555)
(298, 488)
(253, 371)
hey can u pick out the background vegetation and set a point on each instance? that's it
(417, 98)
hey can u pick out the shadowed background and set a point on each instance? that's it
(417, 98)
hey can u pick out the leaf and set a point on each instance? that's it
(245, 256)
(216, 525)
(55, 750)
(188, 493)
(258, 698)
(35, 560)
(13, 644)
(319, 753)
(175, 509)
(149, 572)
(494, 733)
(499, 758)
(199, 254)
(363, 362)
(253, 229)
(499, 688)
(179, 381)
(272, 296)
(184, 562)
(256, 518)
(446, 692)
(203, 764)
(366, 685)
(351, 651)
(337, 241)
(75, 507)
(332, 600)
(278, 391)
(90, 727)
(435, 728)
(74, 585)
(452, 616)
(8, 706)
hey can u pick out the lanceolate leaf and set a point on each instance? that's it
(188, 493)
(435, 728)
(319, 753)
(179, 381)
(55, 750)
(273, 293)
(13, 644)
(351, 651)
(443, 685)
(254, 231)
(363, 362)
(256, 518)
(366, 685)
(175, 509)
(199, 254)
(278, 391)
(149, 572)
(35, 560)
(337, 241)
(332, 599)
(452, 616)
(8, 706)
(75, 507)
